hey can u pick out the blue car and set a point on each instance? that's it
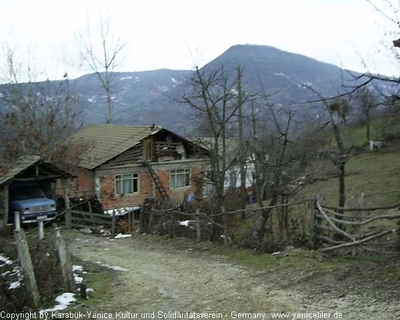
(31, 202)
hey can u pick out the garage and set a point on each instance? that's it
(28, 185)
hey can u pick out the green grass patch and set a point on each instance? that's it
(376, 174)
(355, 134)
(99, 279)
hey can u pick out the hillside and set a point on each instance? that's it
(275, 70)
(373, 173)
(144, 97)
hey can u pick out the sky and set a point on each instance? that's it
(179, 34)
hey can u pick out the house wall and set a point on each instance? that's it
(147, 189)
(235, 172)
(83, 184)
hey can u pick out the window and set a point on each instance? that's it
(232, 179)
(126, 183)
(179, 178)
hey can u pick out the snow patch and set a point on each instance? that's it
(125, 78)
(305, 84)
(77, 279)
(64, 300)
(6, 261)
(186, 223)
(116, 268)
(76, 270)
(281, 74)
(14, 285)
(86, 230)
(121, 211)
(121, 236)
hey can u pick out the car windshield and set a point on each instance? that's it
(27, 192)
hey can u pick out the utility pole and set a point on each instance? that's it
(242, 149)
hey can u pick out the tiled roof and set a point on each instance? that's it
(106, 141)
(9, 170)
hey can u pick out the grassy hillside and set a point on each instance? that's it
(374, 173)
(382, 127)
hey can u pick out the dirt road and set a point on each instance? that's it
(162, 278)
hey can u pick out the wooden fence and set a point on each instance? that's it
(94, 221)
(101, 222)
(333, 228)
(210, 223)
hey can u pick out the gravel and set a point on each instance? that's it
(159, 278)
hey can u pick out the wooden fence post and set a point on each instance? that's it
(255, 229)
(67, 204)
(129, 222)
(151, 220)
(65, 261)
(173, 218)
(133, 222)
(198, 230)
(27, 268)
(17, 220)
(225, 221)
(41, 229)
(312, 239)
(141, 219)
(113, 223)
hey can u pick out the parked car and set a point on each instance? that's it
(31, 202)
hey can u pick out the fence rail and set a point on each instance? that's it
(329, 228)
(95, 221)
(206, 221)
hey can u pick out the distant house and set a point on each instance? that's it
(124, 165)
(232, 153)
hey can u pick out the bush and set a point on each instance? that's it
(46, 268)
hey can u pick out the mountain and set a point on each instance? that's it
(274, 70)
(137, 97)
(145, 97)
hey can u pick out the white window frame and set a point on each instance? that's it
(173, 175)
(123, 177)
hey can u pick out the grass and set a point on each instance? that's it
(376, 174)
(355, 135)
(99, 279)
(289, 258)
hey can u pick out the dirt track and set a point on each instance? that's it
(161, 278)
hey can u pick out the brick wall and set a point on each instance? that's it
(110, 200)
(82, 184)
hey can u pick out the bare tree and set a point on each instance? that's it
(213, 98)
(283, 157)
(367, 101)
(104, 59)
(337, 111)
(36, 116)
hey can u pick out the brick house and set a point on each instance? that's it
(124, 165)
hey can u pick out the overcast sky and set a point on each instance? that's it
(177, 34)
